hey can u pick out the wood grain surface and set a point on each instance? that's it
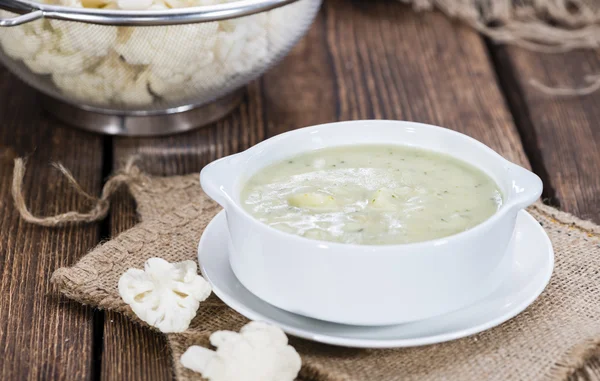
(562, 134)
(42, 335)
(130, 351)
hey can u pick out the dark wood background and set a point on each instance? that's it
(361, 59)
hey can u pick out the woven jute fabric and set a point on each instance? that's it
(548, 341)
(549, 26)
(542, 25)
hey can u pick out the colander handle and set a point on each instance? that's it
(31, 10)
(22, 19)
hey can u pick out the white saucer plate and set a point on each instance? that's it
(533, 262)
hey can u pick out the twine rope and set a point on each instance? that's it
(126, 175)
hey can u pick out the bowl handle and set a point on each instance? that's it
(526, 187)
(217, 179)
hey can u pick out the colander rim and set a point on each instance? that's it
(30, 10)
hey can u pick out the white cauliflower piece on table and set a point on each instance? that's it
(164, 295)
(260, 352)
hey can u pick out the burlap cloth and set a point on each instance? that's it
(548, 341)
(550, 26)
(541, 25)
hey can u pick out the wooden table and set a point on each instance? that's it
(361, 59)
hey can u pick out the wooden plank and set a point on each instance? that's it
(560, 133)
(130, 351)
(142, 355)
(42, 335)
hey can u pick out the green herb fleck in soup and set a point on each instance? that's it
(371, 195)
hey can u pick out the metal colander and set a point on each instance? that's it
(141, 63)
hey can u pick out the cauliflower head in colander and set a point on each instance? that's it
(99, 87)
(157, 65)
(49, 46)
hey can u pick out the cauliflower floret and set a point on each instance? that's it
(242, 43)
(93, 40)
(208, 78)
(51, 60)
(18, 45)
(202, 85)
(313, 200)
(164, 295)
(136, 92)
(255, 51)
(135, 44)
(169, 46)
(318, 234)
(111, 80)
(194, 3)
(65, 47)
(134, 5)
(279, 26)
(25, 41)
(86, 86)
(174, 54)
(173, 86)
(260, 352)
(172, 63)
(76, 3)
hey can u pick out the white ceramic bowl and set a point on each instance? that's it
(361, 284)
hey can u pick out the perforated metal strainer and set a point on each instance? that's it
(147, 72)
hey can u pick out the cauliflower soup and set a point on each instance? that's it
(371, 195)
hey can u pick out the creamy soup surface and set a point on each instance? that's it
(371, 195)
